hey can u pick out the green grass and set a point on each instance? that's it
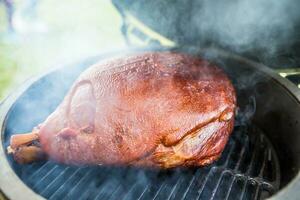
(75, 29)
(8, 68)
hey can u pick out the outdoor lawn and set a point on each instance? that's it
(53, 33)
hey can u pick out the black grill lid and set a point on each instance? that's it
(275, 43)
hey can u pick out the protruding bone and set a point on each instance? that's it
(22, 139)
(28, 154)
(23, 148)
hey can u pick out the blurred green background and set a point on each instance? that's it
(50, 33)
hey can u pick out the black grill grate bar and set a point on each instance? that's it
(263, 165)
(59, 191)
(244, 189)
(115, 193)
(162, 186)
(257, 141)
(43, 169)
(261, 184)
(231, 150)
(241, 155)
(103, 188)
(159, 189)
(234, 173)
(223, 169)
(106, 191)
(44, 178)
(144, 191)
(188, 188)
(91, 192)
(79, 187)
(195, 177)
(175, 188)
(168, 185)
(127, 195)
(257, 192)
(34, 166)
(217, 186)
(128, 183)
(47, 191)
(210, 173)
(230, 187)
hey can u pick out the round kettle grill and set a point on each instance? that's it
(261, 159)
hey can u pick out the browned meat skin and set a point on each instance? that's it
(154, 109)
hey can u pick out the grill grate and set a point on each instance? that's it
(248, 169)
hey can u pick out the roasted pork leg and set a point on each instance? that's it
(157, 109)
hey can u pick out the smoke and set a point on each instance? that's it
(243, 25)
(239, 25)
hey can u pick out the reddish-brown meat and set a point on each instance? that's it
(155, 109)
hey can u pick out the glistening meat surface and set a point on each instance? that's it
(157, 109)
